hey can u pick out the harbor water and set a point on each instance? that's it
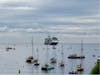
(15, 59)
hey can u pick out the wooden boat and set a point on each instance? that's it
(79, 69)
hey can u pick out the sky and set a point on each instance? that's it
(72, 18)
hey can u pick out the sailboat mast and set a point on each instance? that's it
(62, 54)
(47, 54)
(32, 45)
(81, 47)
(81, 52)
(37, 53)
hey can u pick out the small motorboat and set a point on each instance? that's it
(10, 48)
(73, 72)
(79, 69)
(30, 60)
(62, 64)
(36, 63)
(53, 60)
(46, 67)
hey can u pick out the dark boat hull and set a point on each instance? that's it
(76, 57)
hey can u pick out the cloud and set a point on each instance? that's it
(17, 8)
(71, 17)
(76, 19)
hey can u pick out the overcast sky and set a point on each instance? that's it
(66, 16)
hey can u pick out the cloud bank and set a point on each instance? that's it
(72, 17)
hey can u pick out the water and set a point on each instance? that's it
(14, 60)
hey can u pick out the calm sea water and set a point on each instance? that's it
(14, 60)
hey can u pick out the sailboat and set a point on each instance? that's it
(47, 66)
(75, 56)
(79, 67)
(36, 63)
(62, 56)
(72, 68)
(30, 59)
(8, 48)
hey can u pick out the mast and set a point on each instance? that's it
(37, 53)
(62, 54)
(81, 47)
(47, 54)
(32, 45)
(81, 52)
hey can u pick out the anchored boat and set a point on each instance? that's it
(75, 56)
(47, 67)
(79, 68)
(30, 59)
(36, 63)
(62, 64)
